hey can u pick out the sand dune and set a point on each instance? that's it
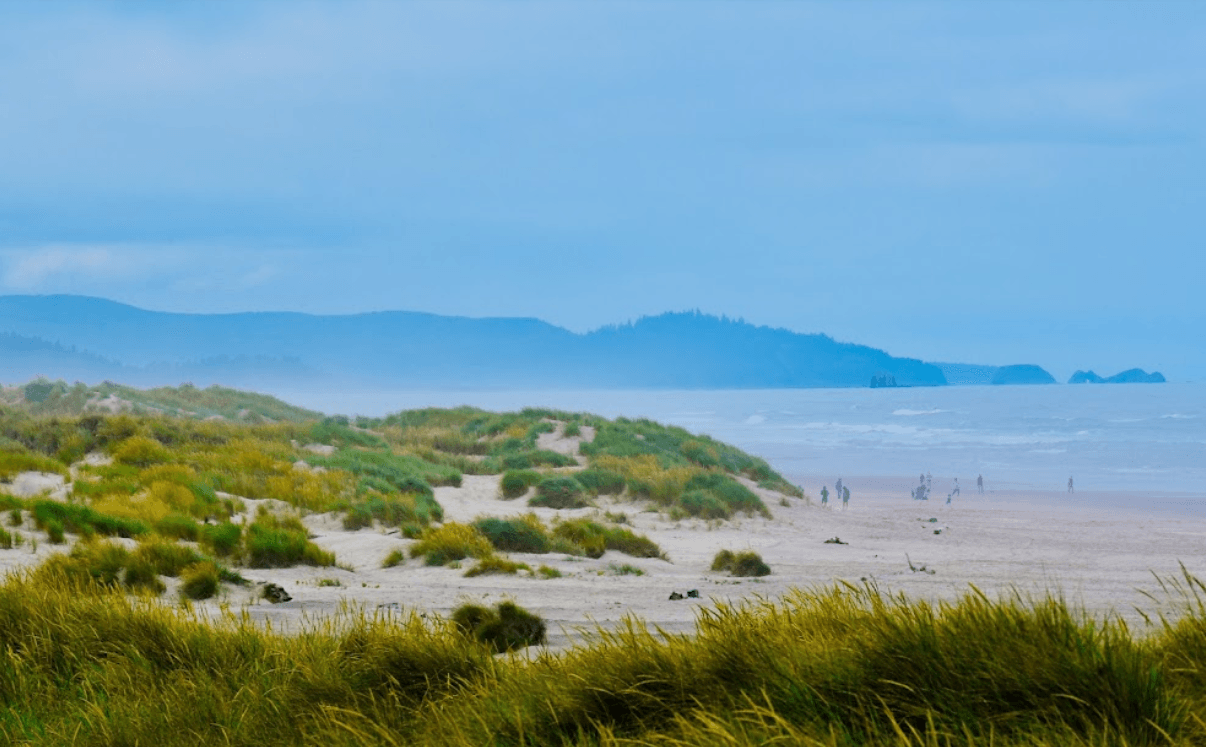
(1100, 558)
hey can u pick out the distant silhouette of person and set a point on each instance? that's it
(919, 493)
(948, 498)
(1070, 490)
(956, 491)
(837, 489)
(845, 497)
(980, 483)
(825, 495)
(929, 482)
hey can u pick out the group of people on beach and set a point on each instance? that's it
(839, 491)
(920, 493)
(926, 484)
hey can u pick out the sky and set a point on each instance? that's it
(1005, 182)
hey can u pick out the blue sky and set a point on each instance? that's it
(987, 182)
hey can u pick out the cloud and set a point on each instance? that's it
(257, 277)
(32, 269)
(93, 267)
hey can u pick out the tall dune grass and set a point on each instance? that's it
(843, 665)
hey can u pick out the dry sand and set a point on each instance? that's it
(1103, 559)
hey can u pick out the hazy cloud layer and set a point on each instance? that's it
(950, 181)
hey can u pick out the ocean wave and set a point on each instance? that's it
(906, 412)
(895, 433)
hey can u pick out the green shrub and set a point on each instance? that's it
(601, 481)
(99, 562)
(15, 518)
(548, 572)
(747, 563)
(223, 539)
(625, 569)
(79, 519)
(115, 526)
(54, 532)
(455, 442)
(395, 557)
(6, 540)
(331, 431)
(572, 430)
(38, 391)
(451, 542)
(515, 483)
(273, 542)
(13, 463)
(723, 561)
(537, 458)
(525, 534)
(140, 451)
(559, 492)
(505, 628)
(140, 575)
(200, 580)
(625, 541)
(703, 504)
(495, 564)
(593, 539)
(166, 558)
(732, 494)
(178, 526)
(393, 511)
(407, 474)
(585, 536)
(468, 617)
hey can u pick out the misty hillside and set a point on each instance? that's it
(89, 339)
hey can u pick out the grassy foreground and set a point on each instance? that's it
(842, 665)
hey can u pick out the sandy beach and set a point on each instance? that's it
(1102, 558)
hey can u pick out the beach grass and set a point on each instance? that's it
(581, 536)
(517, 482)
(745, 563)
(496, 564)
(274, 541)
(559, 491)
(451, 542)
(842, 665)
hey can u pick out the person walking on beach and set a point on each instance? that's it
(956, 490)
(980, 483)
(837, 489)
(824, 495)
(845, 497)
(1070, 490)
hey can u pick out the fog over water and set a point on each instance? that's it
(1136, 437)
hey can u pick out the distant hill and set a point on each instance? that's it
(23, 358)
(89, 338)
(958, 374)
(1022, 374)
(1130, 376)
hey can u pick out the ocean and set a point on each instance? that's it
(1145, 438)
